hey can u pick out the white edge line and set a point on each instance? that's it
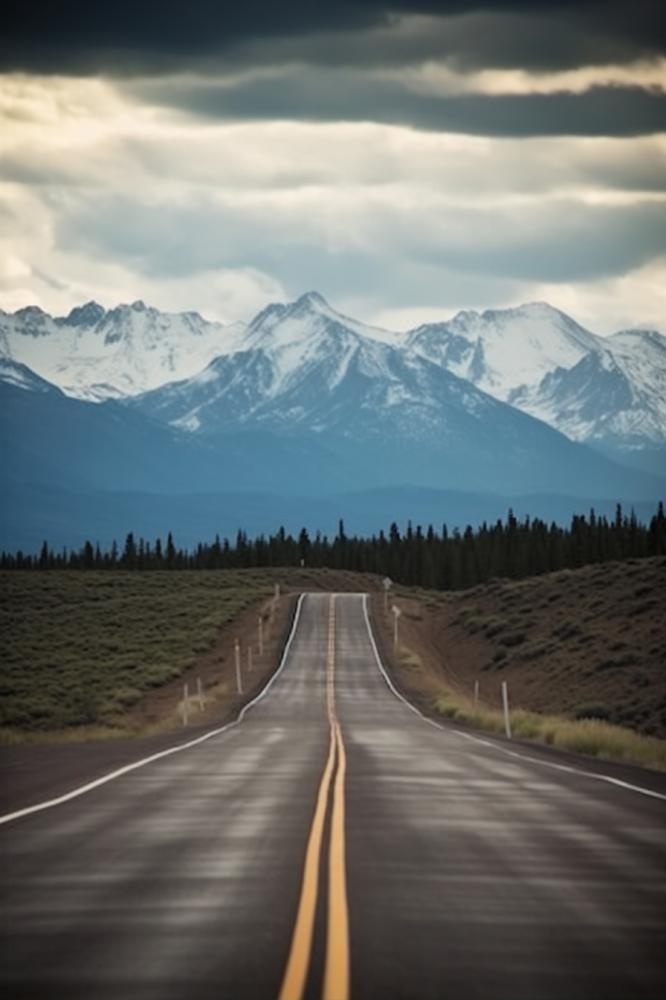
(82, 789)
(488, 743)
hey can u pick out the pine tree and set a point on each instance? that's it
(170, 552)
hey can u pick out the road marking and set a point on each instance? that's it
(336, 972)
(298, 963)
(336, 968)
(495, 746)
(90, 786)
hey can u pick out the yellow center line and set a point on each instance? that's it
(336, 973)
(336, 970)
(293, 983)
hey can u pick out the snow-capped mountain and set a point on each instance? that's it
(502, 350)
(614, 396)
(306, 374)
(21, 377)
(97, 354)
(606, 391)
(303, 405)
(284, 371)
(305, 367)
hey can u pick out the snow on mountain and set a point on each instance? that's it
(293, 358)
(383, 413)
(21, 377)
(303, 399)
(305, 366)
(282, 324)
(502, 350)
(97, 354)
(614, 396)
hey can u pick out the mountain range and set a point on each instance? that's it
(133, 407)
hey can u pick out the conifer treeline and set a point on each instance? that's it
(430, 558)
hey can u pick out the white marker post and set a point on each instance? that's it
(476, 695)
(239, 679)
(386, 583)
(249, 659)
(186, 704)
(274, 603)
(396, 614)
(505, 703)
(261, 635)
(200, 695)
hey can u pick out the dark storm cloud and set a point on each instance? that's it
(135, 36)
(328, 95)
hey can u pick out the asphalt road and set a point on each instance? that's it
(334, 844)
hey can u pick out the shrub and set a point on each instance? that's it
(513, 639)
(593, 712)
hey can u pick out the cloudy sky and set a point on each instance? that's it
(406, 159)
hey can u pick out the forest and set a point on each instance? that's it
(430, 558)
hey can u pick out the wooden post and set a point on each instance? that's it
(261, 635)
(505, 703)
(239, 679)
(249, 659)
(200, 695)
(186, 704)
(396, 615)
(476, 695)
(386, 584)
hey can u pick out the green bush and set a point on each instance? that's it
(593, 712)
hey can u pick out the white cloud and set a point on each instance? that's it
(442, 79)
(108, 198)
(635, 299)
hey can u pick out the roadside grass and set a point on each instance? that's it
(117, 728)
(410, 659)
(591, 736)
(79, 649)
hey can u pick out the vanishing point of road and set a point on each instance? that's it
(334, 844)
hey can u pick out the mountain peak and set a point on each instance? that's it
(30, 312)
(88, 314)
(312, 299)
(538, 307)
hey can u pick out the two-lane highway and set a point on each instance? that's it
(334, 844)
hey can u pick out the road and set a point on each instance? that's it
(334, 844)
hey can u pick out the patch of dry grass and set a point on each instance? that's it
(593, 737)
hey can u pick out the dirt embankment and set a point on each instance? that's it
(216, 669)
(587, 643)
(215, 672)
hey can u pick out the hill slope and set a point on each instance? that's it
(584, 643)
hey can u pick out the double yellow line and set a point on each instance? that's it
(336, 968)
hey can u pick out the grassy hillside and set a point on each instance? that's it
(583, 652)
(83, 649)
